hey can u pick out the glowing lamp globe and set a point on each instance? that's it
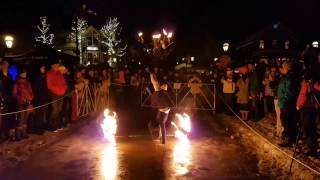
(315, 44)
(9, 41)
(225, 47)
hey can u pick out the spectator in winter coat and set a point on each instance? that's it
(105, 79)
(41, 98)
(66, 113)
(254, 91)
(6, 83)
(229, 88)
(287, 96)
(57, 87)
(308, 105)
(92, 77)
(22, 93)
(269, 91)
(195, 85)
(243, 96)
(80, 84)
(135, 81)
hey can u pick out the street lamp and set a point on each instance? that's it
(9, 41)
(225, 47)
(140, 34)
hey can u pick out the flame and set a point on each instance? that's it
(183, 128)
(164, 32)
(109, 126)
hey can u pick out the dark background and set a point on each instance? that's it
(197, 24)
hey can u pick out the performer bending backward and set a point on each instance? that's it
(159, 100)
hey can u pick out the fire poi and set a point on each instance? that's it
(109, 126)
(183, 127)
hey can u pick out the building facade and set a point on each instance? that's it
(272, 43)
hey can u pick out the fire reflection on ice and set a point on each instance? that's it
(181, 158)
(109, 162)
(181, 152)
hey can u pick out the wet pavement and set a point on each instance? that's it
(84, 154)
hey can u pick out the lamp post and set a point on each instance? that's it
(315, 44)
(225, 46)
(9, 41)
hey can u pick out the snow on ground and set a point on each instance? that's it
(11, 153)
(272, 162)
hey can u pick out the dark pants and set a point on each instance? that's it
(288, 116)
(8, 121)
(162, 117)
(228, 99)
(309, 127)
(23, 116)
(2, 126)
(41, 118)
(269, 104)
(66, 111)
(160, 120)
(55, 120)
(255, 109)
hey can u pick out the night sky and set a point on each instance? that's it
(194, 21)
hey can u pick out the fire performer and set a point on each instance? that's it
(159, 100)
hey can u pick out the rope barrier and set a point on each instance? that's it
(37, 107)
(266, 140)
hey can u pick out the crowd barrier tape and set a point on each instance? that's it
(34, 108)
(201, 96)
(269, 142)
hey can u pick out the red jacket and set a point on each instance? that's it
(22, 91)
(56, 83)
(305, 98)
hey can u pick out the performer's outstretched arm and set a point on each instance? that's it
(155, 82)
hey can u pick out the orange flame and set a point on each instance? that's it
(183, 128)
(109, 126)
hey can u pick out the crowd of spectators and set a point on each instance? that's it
(43, 98)
(279, 91)
(286, 92)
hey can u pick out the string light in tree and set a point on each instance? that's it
(110, 38)
(45, 37)
(79, 27)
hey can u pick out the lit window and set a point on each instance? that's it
(286, 45)
(261, 44)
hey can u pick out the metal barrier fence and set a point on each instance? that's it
(91, 99)
(201, 96)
